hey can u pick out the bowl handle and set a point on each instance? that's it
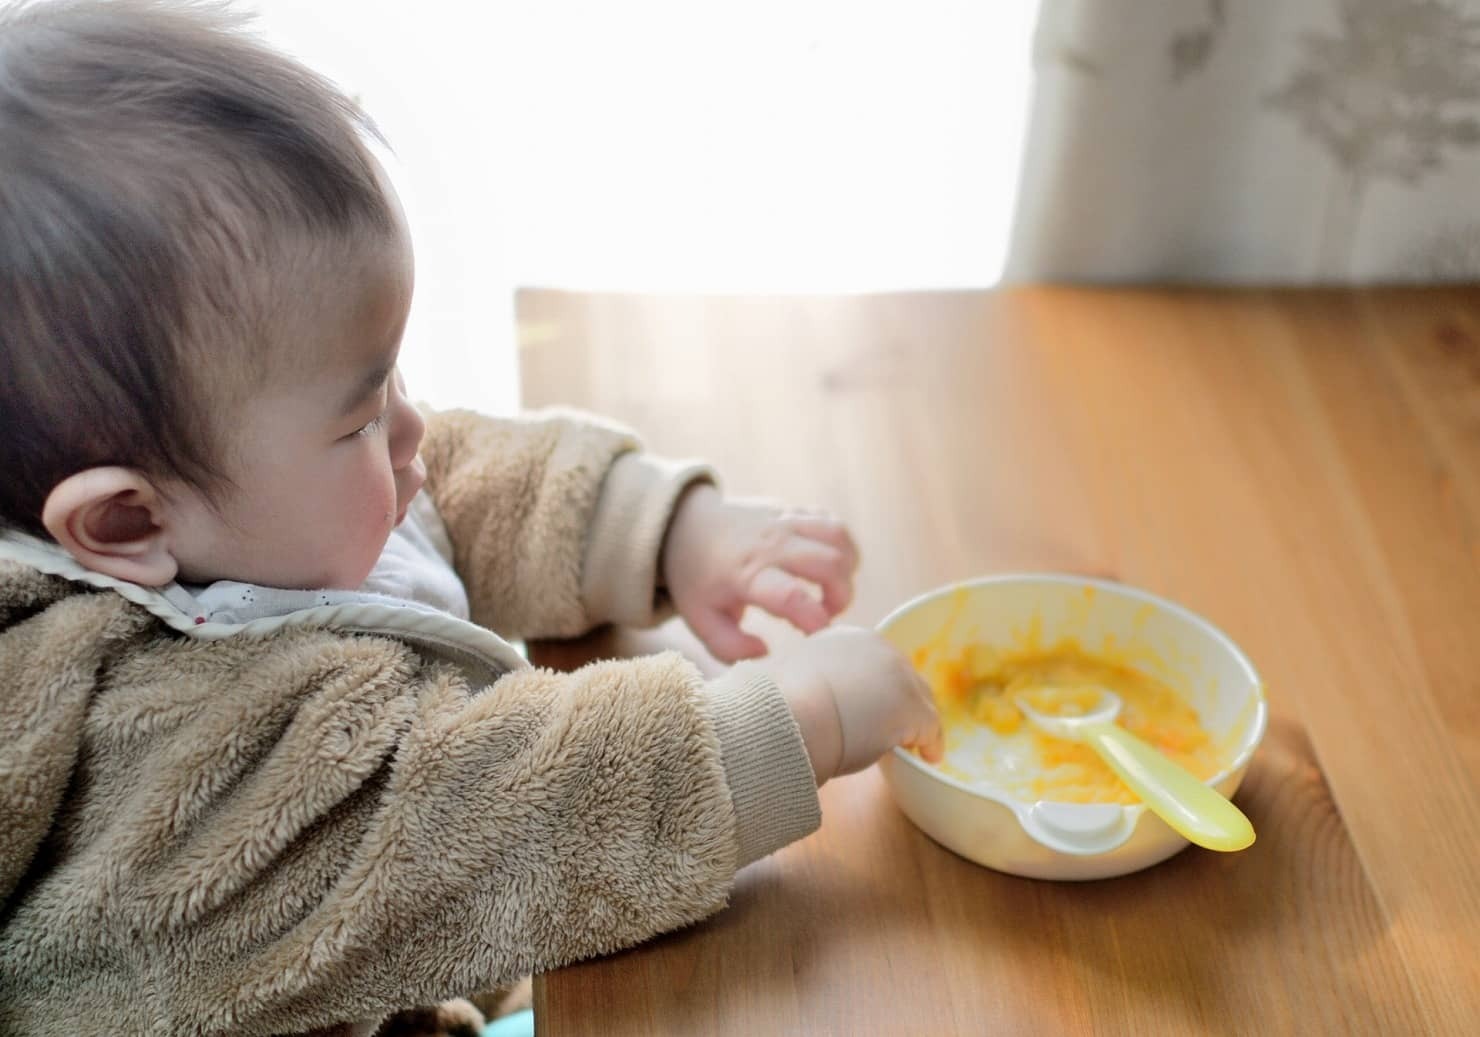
(1079, 829)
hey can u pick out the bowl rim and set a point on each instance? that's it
(1256, 728)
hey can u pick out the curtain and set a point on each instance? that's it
(1265, 141)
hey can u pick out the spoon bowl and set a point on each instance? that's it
(1197, 812)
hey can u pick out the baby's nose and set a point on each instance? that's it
(406, 433)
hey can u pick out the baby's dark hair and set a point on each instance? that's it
(158, 165)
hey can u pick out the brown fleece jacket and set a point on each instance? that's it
(276, 832)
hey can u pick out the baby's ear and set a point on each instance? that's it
(112, 520)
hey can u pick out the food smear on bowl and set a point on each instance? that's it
(974, 690)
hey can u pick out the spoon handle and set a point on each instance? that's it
(1199, 813)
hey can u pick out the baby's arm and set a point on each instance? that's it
(558, 523)
(315, 827)
(556, 520)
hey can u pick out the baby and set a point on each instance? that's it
(264, 765)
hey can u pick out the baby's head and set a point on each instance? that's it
(204, 276)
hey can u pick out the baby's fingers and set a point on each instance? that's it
(930, 743)
(787, 597)
(824, 565)
(831, 531)
(927, 736)
(723, 637)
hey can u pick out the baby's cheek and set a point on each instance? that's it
(376, 494)
(363, 543)
(380, 514)
(374, 518)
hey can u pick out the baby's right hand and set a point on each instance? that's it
(854, 697)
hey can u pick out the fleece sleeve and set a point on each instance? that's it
(283, 834)
(556, 519)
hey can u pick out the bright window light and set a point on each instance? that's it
(677, 145)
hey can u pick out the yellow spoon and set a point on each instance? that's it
(1199, 813)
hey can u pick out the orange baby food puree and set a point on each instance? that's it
(977, 687)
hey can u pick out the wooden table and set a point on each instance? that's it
(1303, 469)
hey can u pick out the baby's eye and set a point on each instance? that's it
(373, 426)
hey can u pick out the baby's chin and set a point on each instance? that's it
(349, 578)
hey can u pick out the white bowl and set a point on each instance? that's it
(986, 821)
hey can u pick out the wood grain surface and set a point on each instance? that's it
(1301, 468)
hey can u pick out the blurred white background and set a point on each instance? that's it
(664, 145)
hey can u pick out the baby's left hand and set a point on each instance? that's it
(722, 556)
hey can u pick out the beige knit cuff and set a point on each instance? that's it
(772, 785)
(619, 575)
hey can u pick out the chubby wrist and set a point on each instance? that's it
(809, 696)
(683, 541)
